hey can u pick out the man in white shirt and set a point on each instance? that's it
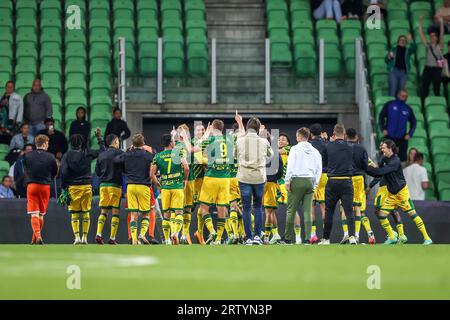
(303, 173)
(252, 153)
(416, 178)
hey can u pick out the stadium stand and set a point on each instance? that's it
(432, 132)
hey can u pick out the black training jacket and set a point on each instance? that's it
(136, 165)
(339, 159)
(321, 146)
(392, 172)
(40, 167)
(360, 159)
(106, 169)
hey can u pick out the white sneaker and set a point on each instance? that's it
(275, 239)
(249, 242)
(352, 240)
(298, 240)
(257, 241)
(77, 241)
(324, 242)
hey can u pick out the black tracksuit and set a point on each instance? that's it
(76, 167)
(360, 159)
(106, 169)
(339, 186)
(392, 173)
(40, 167)
(57, 141)
(82, 127)
(136, 166)
(321, 146)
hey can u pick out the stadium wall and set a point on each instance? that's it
(15, 225)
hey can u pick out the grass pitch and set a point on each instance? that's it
(224, 272)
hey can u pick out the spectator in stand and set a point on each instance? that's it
(417, 178)
(353, 9)
(6, 192)
(327, 9)
(411, 154)
(5, 133)
(37, 107)
(118, 126)
(398, 61)
(14, 104)
(18, 172)
(393, 121)
(443, 14)
(446, 72)
(81, 126)
(57, 144)
(23, 138)
(434, 60)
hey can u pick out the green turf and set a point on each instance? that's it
(225, 272)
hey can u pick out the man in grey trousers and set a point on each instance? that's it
(303, 173)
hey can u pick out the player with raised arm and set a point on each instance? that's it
(40, 169)
(174, 173)
(110, 175)
(77, 180)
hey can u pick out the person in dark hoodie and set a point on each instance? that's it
(274, 173)
(58, 142)
(77, 179)
(37, 107)
(81, 126)
(118, 126)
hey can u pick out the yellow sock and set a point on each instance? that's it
(114, 226)
(421, 226)
(241, 226)
(228, 227)
(234, 222)
(313, 230)
(267, 229)
(253, 222)
(200, 222)
(345, 226)
(75, 220)
(86, 223)
(220, 228)
(366, 223)
(186, 223)
(144, 226)
(387, 226)
(172, 222)
(166, 228)
(178, 223)
(357, 225)
(400, 230)
(209, 223)
(101, 223)
(275, 230)
(133, 229)
(298, 230)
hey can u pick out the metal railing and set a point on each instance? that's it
(362, 99)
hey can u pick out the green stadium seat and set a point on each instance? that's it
(169, 5)
(326, 25)
(173, 57)
(198, 59)
(276, 6)
(431, 102)
(51, 49)
(305, 61)
(4, 165)
(147, 4)
(148, 54)
(80, 3)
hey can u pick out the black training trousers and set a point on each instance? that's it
(431, 75)
(402, 145)
(338, 189)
